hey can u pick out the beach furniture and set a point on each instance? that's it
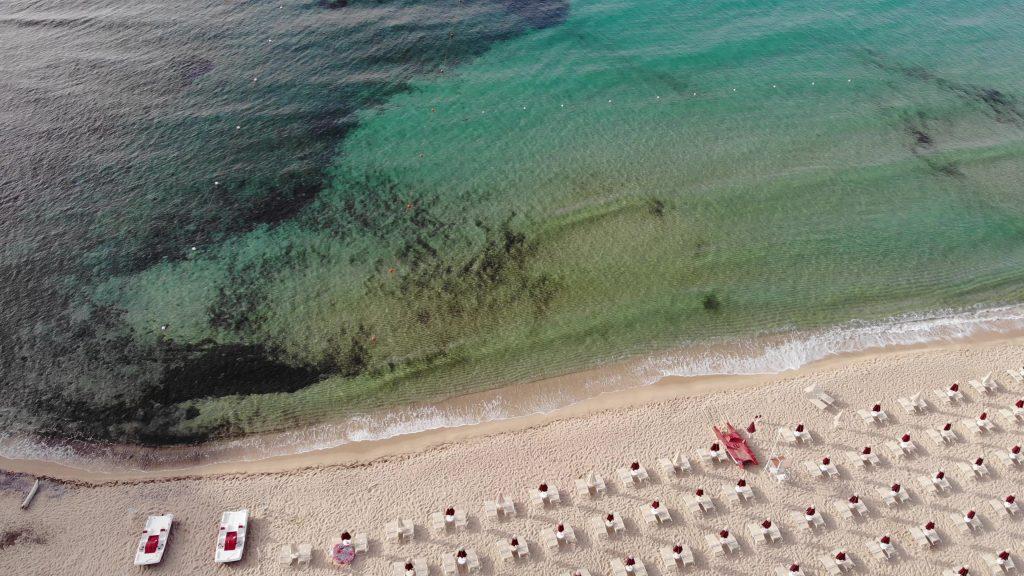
(1001, 563)
(557, 537)
(739, 492)
(1005, 507)
(961, 571)
(501, 508)
(837, 563)
(634, 475)
(777, 468)
(675, 465)
(881, 549)
(411, 567)
(231, 536)
(635, 565)
(399, 530)
(936, 484)
(986, 385)
(464, 561)
(893, 495)
(608, 525)
(545, 495)
(1012, 457)
(153, 541)
(1016, 374)
(819, 398)
(449, 519)
(287, 554)
(980, 425)
(951, 395)
(699, 502)
(591, 485)
(902, 448)
(576, 572)
(722, 543)
(808, 520)
(851, 507)
(874, 416)
(791, 570)
(977, 469)
(866, 457)
(1015, 413)
(764, 533)
(967, 522)
(713, 455)
(943, 435)
(656, 513)
(797, 435)
(512, 549)
(304, 554)
(677, 557)
(925, 536)
(823, 469)
(913, 404)
(344, 550)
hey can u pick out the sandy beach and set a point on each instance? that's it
(91, 525)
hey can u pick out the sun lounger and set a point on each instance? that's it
(881, 551)
(231, 536)
(450, 564)
(507, 552)
(549, 538)
(737, 494)
(825, 470)
(849, 509)
(441, 523)
(974, 470)
(1010, 458)
(618, 568)
(304, 554)
(633, 478)
(400, 530)
(941, 437)
(154, 539)
(699, 504)
(872, 418)
(677, 561)
(719, 546)
(419, 567)
(808, 523)
(999, 565)
(712, 457)
(949, 396)
(675, 465)
(890, 498)
(862, 460)
(576, 572)
(542, 499)
(590, 485)
(914, 404)
(835, 565)
(783, 570)
(761, 535)
(964, 523)
(900, 449)
(1013, 415)
(287, 554)
(503, 507)
(924, 537)
(818, 398)
(1004, 508)
(934, 485)
(776, 467)
(1016, 375)
(602, 527)
(986, 385)
(656, 516)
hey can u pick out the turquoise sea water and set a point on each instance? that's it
(353, 208)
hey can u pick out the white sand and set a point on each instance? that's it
(92, 530)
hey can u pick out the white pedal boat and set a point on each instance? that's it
(231, 536)
(154, 540)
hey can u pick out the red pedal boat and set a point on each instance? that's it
(736, 446)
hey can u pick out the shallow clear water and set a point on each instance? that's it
(397, 202)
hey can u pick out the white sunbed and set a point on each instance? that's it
(304, 554)
(890, 498)
(550, 540)
(1010, 459)
(677, 561)
(900, 449)
(719, 546)
(576, 572)
(633, 478)
(712, 457)
(153, 541)
(738, 494)
(949, 396)
(1004, 508)
(675, 465)
(287, 554)
(618, 568)
(590, 485)
(849, 509)
(503, 507)
(976, 471)
(964, 523)
(942, 437)
(819, 398)
(419, 567)
(808, 523)
(600, 525)
(508, 552)
(699, 504)
(997, 565)
(1013, 414)
(231, 536)
(776, 467)
(934, 485)
(1016, 375)
(925, 538)
(862, 460)
(834, 565)
(761, 535)
(881, 551)
(543, 499)
(783, 570)
(656, 516)
(986, 385)
(871, 417)
(399, 530)
(441, 523)
(915, 404)
(450, 563)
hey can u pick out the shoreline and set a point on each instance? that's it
(368, 452)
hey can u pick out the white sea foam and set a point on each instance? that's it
(767, 354)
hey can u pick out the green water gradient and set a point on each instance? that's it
(643, 175)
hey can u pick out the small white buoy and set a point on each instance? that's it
(657, 97)
(164, 327)
(733, 89)
(238, 127)
(694, 93)
(193, 248)
(812, 83)
(774, 86)
(216, 182)
(524, 107)
(562, 105)
(849, 80)
(609, 101)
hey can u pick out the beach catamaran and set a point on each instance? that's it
(736, 446)
(231, 536)
(154, 540)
